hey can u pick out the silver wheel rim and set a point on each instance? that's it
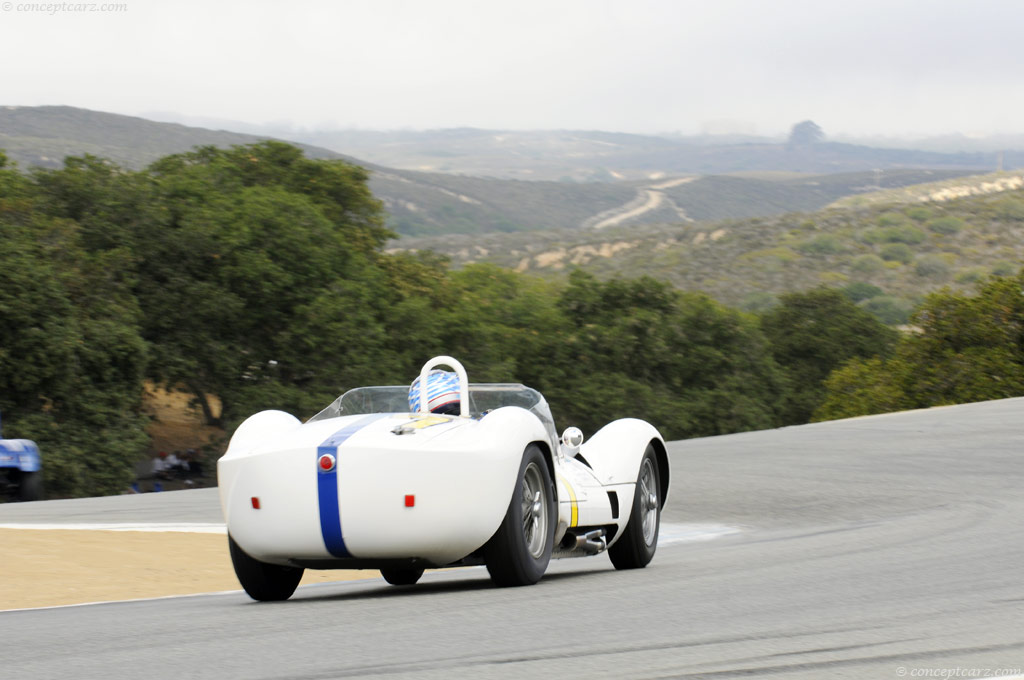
(648, 490)
(535, 511)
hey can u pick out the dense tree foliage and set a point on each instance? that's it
(71, 356)
(258, 275)
(963, 349)
(682, 360)
(810, 335)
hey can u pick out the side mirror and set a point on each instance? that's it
(572, 438)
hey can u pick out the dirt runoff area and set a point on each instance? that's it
(45, 568)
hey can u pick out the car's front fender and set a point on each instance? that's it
(616, 450)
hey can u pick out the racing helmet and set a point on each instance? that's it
(442, 393)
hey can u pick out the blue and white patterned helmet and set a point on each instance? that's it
(442, 393)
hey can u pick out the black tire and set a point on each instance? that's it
(635, 549)
(262, 581)
(519, 552)
(30, 487)
(401, 577)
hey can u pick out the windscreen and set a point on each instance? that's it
(482, 399)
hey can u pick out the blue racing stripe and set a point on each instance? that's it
(327, 486)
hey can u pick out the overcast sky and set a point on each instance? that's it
(853, 66)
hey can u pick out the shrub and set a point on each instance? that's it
(892, 219)
(758, 302)
(971, 274)
(859, 291)
(946, 225)
(890, 310)
(1010, 208)
(1004, 268)
(780, 253)
(825, 244)
(918, 213)
(868, 264)
(898, 252)
(932, 267)
(832, 277)
(906, 233)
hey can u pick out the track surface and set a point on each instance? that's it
(881, 547)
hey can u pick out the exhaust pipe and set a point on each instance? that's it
(592, 542)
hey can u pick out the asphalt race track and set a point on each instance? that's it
(882, 547)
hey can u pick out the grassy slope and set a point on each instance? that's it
(725, 197)
(744, 262)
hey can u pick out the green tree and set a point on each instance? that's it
(256, 251)
(969, 348)
(640, 348)
(812, 333)
(71, 356)
(863, 387)
(965, 348)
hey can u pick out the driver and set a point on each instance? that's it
(442, 393)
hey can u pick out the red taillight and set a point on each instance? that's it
(410, 500)
(327, 462)
(255, 503)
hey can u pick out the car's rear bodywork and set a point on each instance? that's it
(20, 469)
(365, 485)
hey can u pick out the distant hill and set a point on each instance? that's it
(44, 135)
(416, 202)
(423, 203)
(888, 254)
(588, 156)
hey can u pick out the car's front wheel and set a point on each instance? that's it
(636, 547)
(401, 577)
(519, 552)
(262, 581)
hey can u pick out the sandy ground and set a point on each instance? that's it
(57, 567)
(176, 425)
(40, 568)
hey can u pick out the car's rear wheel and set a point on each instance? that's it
(262, 581)
(401, 577)
(30, 487)
(519, 552)
(640, 539)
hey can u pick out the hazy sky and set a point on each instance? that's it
(853, 66)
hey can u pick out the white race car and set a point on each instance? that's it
(367, 484)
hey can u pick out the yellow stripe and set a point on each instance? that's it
(575, 518)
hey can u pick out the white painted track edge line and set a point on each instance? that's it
(179, 527)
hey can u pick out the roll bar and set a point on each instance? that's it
(463, 383)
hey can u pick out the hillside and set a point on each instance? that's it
(423, 203)
(890, 254)
(937, 191)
